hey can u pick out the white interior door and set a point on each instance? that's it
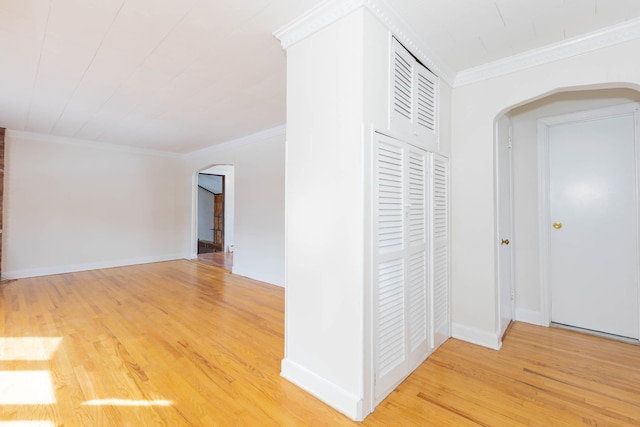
(504, 222)
(594, 215)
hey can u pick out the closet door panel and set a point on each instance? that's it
(440, 233)
(389, 275)
(425, 123)
(401, 273)
(417, 255)
(413, 99)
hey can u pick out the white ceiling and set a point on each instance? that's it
(179, 75)
(469, 33)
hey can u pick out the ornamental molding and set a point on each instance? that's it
(317, 18)
(330, 11)
(606, 37)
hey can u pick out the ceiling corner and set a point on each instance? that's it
(314, 20)
(609, 36)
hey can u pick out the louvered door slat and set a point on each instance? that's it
(426, 100)
(390, 170)
(441, 292)
(417, 300)
(417, 198)
(390, 316)
(402, 86)
(402, 102)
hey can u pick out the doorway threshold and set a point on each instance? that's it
(596, 333)
(222, 260)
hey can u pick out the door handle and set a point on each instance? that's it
(505, 242)
(557, 225)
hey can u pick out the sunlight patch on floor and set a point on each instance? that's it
(26, 388)
(28, 348)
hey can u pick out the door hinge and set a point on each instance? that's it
(513, 294)
(510, 145)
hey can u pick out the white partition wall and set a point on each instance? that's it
(342, 332)
(325, 223)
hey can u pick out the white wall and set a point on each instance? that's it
(525, 184)
(475, 107)
(73, 206)
(258, 183)
(325, 214)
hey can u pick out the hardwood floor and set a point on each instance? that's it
(222, 260)
(183, 344)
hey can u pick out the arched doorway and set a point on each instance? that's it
(213, 231)
(528, 246)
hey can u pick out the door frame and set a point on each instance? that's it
(500, 137)
(228, 170)
(544, 223)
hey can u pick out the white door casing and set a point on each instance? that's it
(590, 260)
(504, 224)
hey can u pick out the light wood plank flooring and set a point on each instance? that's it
(222, 260)
(185, 344)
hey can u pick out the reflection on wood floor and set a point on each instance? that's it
(222, 260)
(180, 343)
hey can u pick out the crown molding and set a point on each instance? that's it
(40, 137)
(320, 16)
(329, 11)
(245, 140)
(609, 36)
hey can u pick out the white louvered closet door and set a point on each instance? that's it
(440, 250)
(401, 273)
(414, 98)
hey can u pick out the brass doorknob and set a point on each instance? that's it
(557, 225)
(504, 242)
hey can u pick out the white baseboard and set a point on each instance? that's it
(260, 276)
(529, 316)
(252, 274)
(476, 336)
(328, 392)
(61, 269)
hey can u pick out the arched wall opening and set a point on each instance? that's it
(475, 107)
(228, 171)
(525, 156)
